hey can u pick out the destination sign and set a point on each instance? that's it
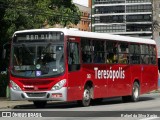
(38, 36)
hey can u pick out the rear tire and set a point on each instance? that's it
(40, 104)
(86, 97)
(135, 94)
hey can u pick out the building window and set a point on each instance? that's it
(110, 28)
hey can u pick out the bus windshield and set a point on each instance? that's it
(40, 60)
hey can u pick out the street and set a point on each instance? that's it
(147, 108)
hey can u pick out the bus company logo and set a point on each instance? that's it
(109, 74)
(6, 114)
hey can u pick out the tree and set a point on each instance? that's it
(155, 25)
(27, 14)
(65, 12)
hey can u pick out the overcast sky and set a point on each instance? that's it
(81, 2)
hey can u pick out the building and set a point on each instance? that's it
(156, 23)
(124, 17)
(84, 24)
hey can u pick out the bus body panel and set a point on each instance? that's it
(148, 80)
(75, 77)
(135, 73)
(120, 86)
(100, 84)
(59, 95)
(75, 88)
(33, 87)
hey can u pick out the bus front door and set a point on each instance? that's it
(74, 74)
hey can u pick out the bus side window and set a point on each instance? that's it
(111, 49)
(134, 51)
(144, 54)
(123, 53)
(87, 50)
(73, 56)
(152, 52)
(98, 51)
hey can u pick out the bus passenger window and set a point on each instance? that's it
(152, 52)
(87, 50)
(111, 52)
(86, 57)
(123, 51)
(123, 58)
(99, 56)
(134, 53)
(144, 54)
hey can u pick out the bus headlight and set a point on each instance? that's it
(59, 85)
(15, 86)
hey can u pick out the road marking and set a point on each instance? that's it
(150, 118)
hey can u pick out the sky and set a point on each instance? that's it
(81, 2)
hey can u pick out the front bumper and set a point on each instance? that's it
(58, 95)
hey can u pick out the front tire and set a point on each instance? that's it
(86, 97)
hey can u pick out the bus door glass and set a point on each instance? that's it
(73, 56)
(74, 76)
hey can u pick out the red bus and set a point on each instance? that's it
(65, 65)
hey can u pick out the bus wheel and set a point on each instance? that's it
(86, 97)
(135, 94)
(40, 104)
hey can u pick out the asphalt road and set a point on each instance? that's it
(148, 108)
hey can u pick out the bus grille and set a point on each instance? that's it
(36, 82)
(41, 85)
(42, 94)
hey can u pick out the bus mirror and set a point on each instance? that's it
(5, 47)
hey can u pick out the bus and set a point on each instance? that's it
(58, 64)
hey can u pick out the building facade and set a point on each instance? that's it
(84, 24)
(124, 17)
(156, 23)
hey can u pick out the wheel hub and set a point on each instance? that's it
(135, 92)
(86, 95)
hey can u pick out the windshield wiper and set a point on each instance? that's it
(47, 46)
(24, 46)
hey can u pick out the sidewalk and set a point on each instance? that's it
(6, 103)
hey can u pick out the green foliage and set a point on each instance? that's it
(31, 14)
(65, 12)
(27, 14)
(4, 81)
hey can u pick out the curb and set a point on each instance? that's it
(6, 103)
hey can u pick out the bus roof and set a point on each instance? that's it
(77, 33)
